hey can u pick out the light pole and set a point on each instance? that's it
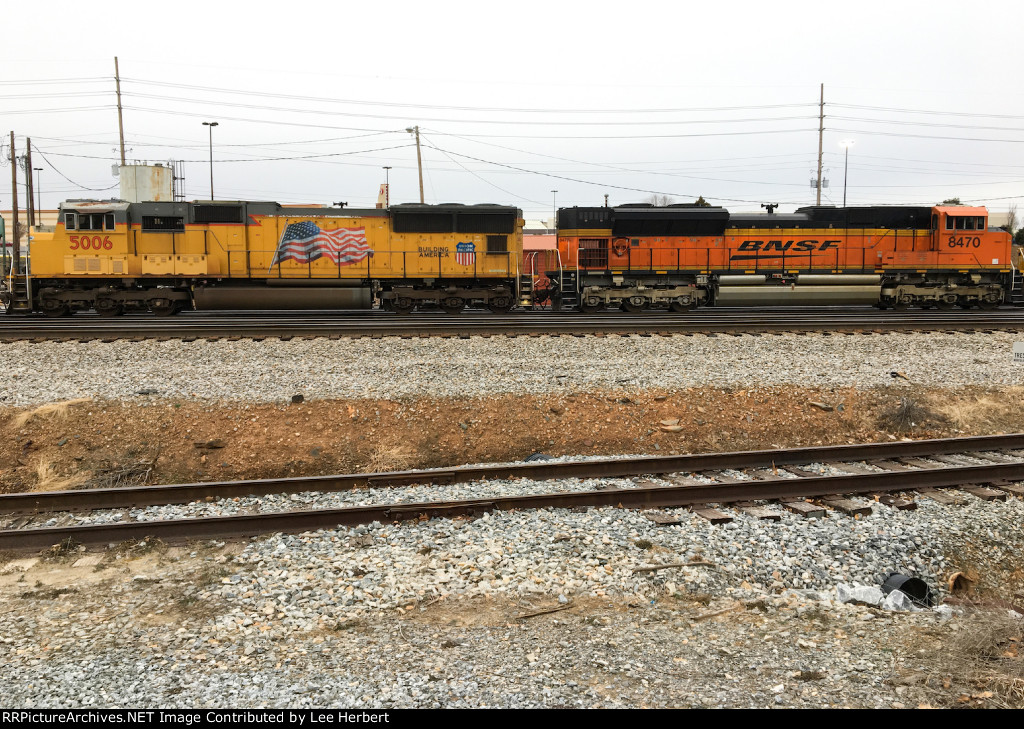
(419, 159)
(845, 144)
(387, 188)
(211, 125)
(39, 194)
(554, 207)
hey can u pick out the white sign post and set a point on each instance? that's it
(1018, 351)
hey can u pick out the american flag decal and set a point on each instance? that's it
(305, 242)
(465, 254)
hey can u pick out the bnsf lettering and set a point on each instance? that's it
(782, 246)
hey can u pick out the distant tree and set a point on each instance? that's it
(1011, 220)
(660, 200)
(701, 202)
(1018, 238)
(951, 201)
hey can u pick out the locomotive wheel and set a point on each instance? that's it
(944, 305)
(630, 307)
(591, 306)
(108, 307)
(453, 305)
(500, 304)
(165, 308)
(681, 308)
(986, 305)
(402, 305)
(57, 309)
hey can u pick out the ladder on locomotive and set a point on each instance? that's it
(20, 288)
(1017, 281)
(567, 285)
(1017, 288)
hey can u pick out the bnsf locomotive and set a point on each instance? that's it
(683, 256)
(163, 257)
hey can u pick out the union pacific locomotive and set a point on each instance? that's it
(162, 257)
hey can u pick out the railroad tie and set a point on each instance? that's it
(846, 506)
(849, 467)
(895, 502)
(985, 494)
(712, 515)
(805, 509)
(888, 465)
(942, 498)
(994, 457)
(759, 512)
(662, 519)
(1008, 487)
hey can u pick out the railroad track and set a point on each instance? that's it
(986, 466)
(211, 325)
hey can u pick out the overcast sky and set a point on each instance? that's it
(517, 99)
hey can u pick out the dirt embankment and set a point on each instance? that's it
(89, 443)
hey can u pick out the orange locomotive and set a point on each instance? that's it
(683, 256)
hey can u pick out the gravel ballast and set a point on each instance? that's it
(270, 370)
(424, 614)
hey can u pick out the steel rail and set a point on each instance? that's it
(658, 496)
(199, 325)
(137, 496)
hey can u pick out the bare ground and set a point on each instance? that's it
(102, 443)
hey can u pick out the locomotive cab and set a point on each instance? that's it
(91, 239)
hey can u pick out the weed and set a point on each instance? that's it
(51, 594)
(980, 662)
(63, 552)
(389, 458)
(907, 415)
(47, 478)
(643, 544)
(132, 549)
(56, 410)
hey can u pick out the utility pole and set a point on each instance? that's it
(28, 185)
(120, 119)
(419, 159)
(821, 134)
(16, 247)
(39, 194)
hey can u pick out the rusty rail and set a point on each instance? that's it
(657, 496)
(650, 496)
(138, 496)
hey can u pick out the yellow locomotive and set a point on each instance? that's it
(114, 256)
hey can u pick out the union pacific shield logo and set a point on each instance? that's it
(465, 254)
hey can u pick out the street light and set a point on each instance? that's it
(387, 188)
(39, 195)
(845, 144)
(211, 125)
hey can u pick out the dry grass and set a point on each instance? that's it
(55, 410)
(47, 478)
(984, 412)
(390, 458)
(979, 663)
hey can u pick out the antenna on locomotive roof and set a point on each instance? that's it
(770, 207)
